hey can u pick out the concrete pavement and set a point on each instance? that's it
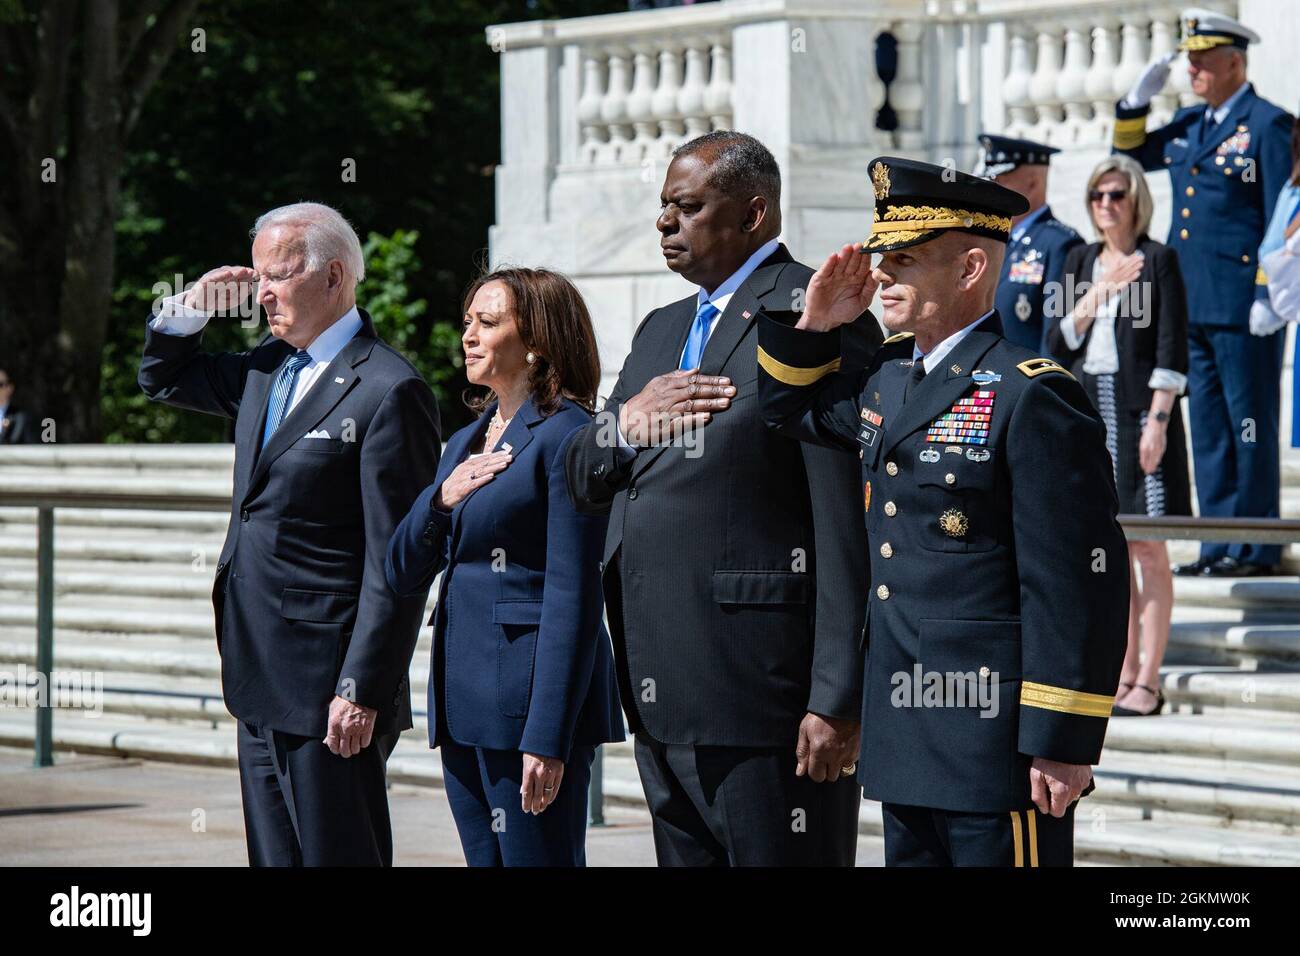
(106, 811)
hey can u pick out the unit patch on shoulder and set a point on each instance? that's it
(1032, 368)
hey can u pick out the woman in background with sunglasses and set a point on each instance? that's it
(1123, 333)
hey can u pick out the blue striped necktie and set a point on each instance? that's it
(282, 392)
(694, 350)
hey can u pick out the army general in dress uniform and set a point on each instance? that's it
(997, 621)
(1035, 259)
(1227, 160)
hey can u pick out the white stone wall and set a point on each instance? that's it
(592, 107)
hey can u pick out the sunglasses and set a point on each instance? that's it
(1114, 195)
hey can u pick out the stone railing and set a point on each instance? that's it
(1066, 63)
(621, 89)
(625, 88)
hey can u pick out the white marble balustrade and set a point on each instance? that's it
(642, 96)
(1067, 63)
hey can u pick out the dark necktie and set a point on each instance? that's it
(914, 379)
(282, 393)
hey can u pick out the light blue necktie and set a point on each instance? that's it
(694, 350)
(282, 391)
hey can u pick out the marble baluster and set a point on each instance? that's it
(639, 104)
(594, 134)
(1015, 88)
(1099, 83)
(717, 95)
(1164, 40)
(1070, 84)
(907, 93)
(672, 131)
(690, 98)
(613, 107)
(1042, 85)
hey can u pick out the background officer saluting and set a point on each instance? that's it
(1227, 161)
(998, 620)
(1039, 241)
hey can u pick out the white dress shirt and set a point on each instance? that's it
(937, 354)
(723, 293)
(1215, 116)
(719, 297)
(176, 318)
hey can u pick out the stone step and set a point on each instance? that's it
(18, 584)
(166, 522)
(215, 457)
(162, 655)
(190, 619)
(1229, 735)
(143, 548)
(1266, 796)
(1274, 595)
(1200, 689)
(1263, 645)
(1155, 843)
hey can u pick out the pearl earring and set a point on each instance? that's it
(530, 358)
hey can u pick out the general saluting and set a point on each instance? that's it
(990, 508)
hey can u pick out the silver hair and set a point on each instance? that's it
(325, 233)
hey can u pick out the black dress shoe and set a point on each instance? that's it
(1232, 568)
(1193, 568)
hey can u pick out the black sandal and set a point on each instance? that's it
(1156, 692)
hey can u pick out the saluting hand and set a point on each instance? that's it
(222, 289)
(1151, 81)
(840, 291)
(1053, 785)
(671, 404)
(467, 477)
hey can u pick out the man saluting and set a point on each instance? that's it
(1000, 604)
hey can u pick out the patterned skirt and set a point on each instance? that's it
(1167, 491)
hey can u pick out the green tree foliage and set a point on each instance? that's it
(282, 99)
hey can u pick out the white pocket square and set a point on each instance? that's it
(321, 433)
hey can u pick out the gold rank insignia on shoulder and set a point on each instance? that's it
(898, 337)
(1032, 368)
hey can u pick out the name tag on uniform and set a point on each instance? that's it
(869, 429)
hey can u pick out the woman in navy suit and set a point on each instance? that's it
(521, 687)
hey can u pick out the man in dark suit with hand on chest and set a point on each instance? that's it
(735, 596)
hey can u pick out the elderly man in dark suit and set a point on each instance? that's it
(335, 436)
(735, 595)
